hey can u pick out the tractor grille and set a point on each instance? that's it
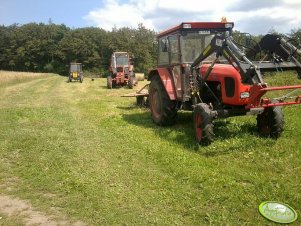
(119, 69)
(194, 83)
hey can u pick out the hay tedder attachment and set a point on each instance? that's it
(141, 96)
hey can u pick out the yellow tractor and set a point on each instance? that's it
(76, 72)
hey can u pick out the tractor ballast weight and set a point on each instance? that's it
(121, 71)
(202, 69)
(76, 72)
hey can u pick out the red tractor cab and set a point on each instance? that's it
(201, 68)
(121, 71)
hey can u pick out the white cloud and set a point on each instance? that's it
(260, 21)
(194, 6)
(119, 15)
(257, 16)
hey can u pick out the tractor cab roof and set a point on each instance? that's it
(120, 52)
(75, 67)
(221, 26)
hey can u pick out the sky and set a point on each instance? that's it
(252, 16)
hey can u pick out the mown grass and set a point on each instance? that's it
(10, 77)
(85, 151)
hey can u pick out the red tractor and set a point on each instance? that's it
(203, 69)
(121, 71)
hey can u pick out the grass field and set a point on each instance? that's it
(81, 150)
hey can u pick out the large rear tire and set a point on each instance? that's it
(114, 84)
(203, 126)
(270, 123)
(131, 82)
(135, 81)
(109, 82)
(163, 110)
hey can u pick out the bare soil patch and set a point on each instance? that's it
(13, 207)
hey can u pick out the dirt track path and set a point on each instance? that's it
(13, 207)
(13, 210)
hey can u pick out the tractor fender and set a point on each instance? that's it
(166, 79)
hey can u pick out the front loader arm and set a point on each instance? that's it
(224, 46)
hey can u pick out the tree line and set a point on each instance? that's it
(51, 47)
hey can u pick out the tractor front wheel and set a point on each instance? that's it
(109, 82)
(81, 79)
(203, 126)
(163, 110)
(270, 123)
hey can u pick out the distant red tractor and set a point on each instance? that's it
(121, 71)
(201, 68)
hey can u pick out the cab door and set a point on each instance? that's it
(175, 63)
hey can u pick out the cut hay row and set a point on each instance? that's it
(12, 76)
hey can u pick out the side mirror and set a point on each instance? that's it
(164, 45)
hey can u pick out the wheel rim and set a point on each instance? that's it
(155, 104)
(198, 127)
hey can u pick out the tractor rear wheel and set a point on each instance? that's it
(131, 82)
(163, 110)
(109, 82)
(270, 123)
(135, 81)
(203, 126)
(114, 83)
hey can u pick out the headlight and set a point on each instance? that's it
(244, 95)
(228, 25)
(186, 25)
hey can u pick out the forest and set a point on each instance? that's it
(50, 47)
